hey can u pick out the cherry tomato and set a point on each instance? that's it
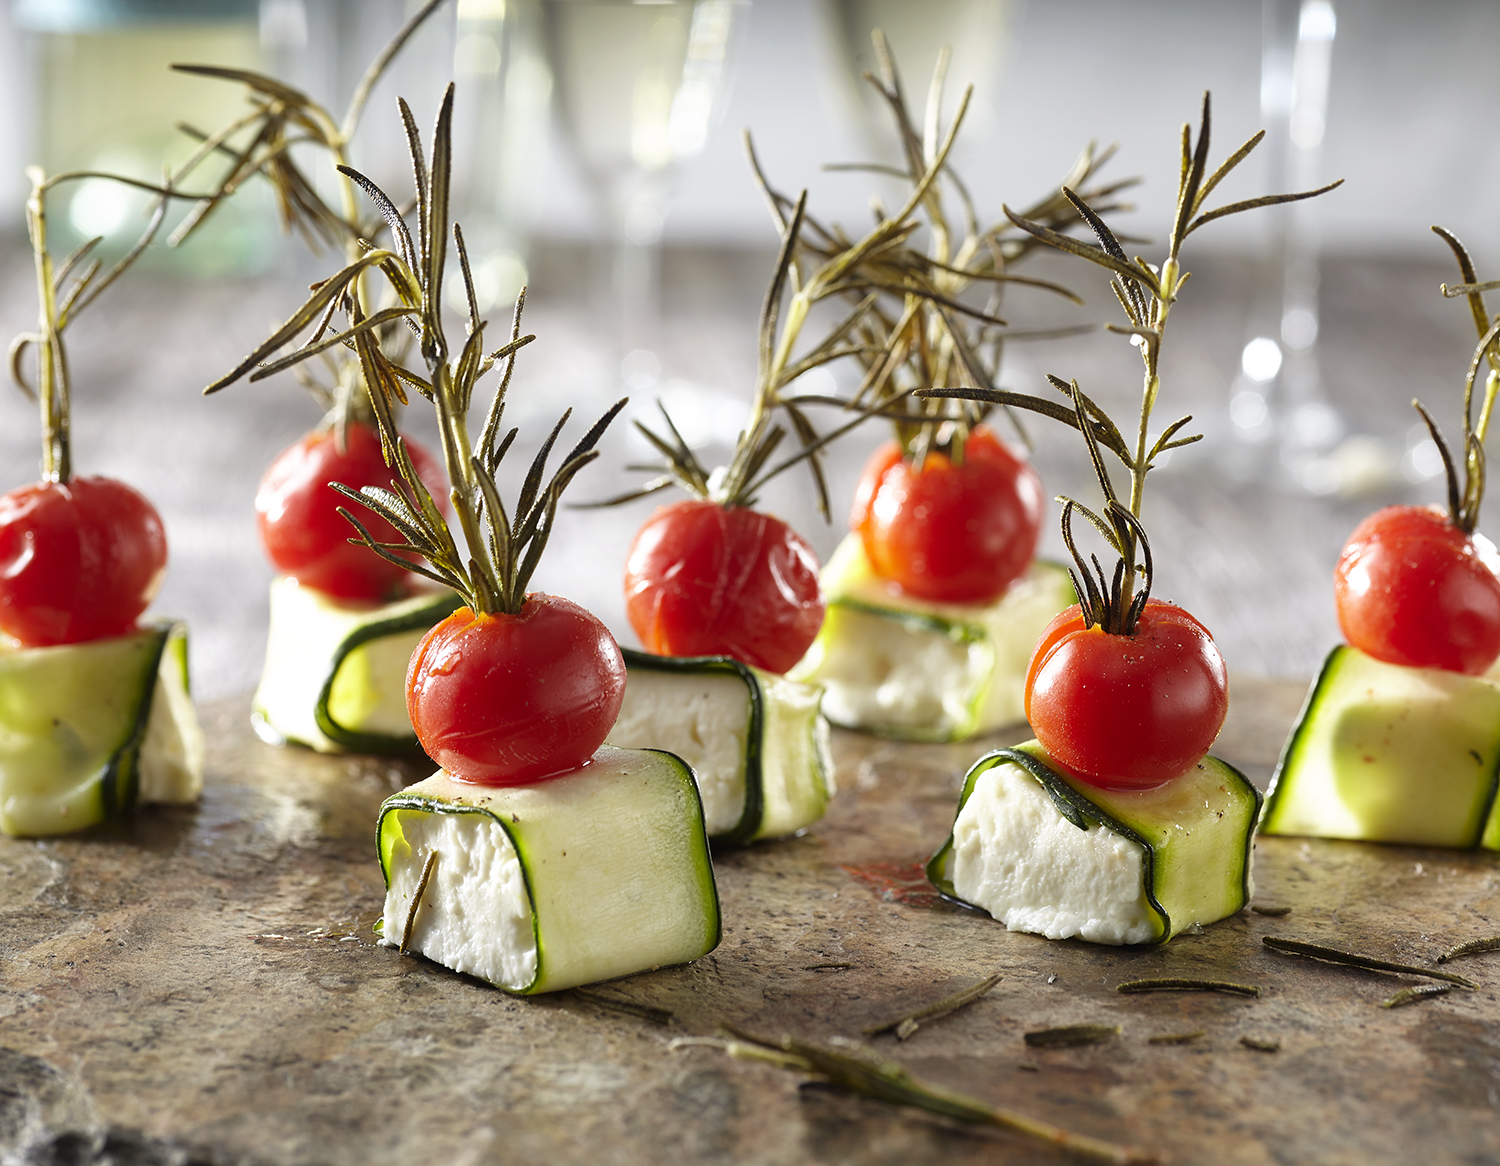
(511, 699)
(79, 560)
(1411, 588)
(950, 533)
(1127, 712)
(707, 580)
(301, 527)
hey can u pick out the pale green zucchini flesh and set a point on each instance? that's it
(335, 673)
(1044, 852)
(902, 667)
(1386, 753)
(89, 731)
(756, 742)
(600, 873)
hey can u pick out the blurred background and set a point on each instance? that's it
(600, 161)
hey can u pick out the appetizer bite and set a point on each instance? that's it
(95, 716)
(343, 621)
(1113, 825)
(534, 858)
(935, 598)
(1399, 739)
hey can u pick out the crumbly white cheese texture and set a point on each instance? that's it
(475, 915)
(704, 718)
(1019, 859)
(888, 674)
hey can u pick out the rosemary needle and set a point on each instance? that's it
(1072, 1036)
(862, 1073)
(1176, 1038)
(904, 1026)
(1349, 959)
(1188, 984)
(1414, 993)
(1261, 1045)
(1472, 947)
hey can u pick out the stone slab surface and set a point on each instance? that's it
(202, 985)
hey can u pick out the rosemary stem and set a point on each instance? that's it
(52, 369)
(1491, 387)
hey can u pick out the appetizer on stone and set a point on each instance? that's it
(1114, 825)
(934, 599)
(343, 621)
(534, 858)
(1399, 739)
(95, 716)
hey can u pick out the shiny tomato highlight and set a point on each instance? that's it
(1127, 712)
(302, 530)
(512, 699)
(1411, 588)
(707, 580)
(79, 560)
(950, 533)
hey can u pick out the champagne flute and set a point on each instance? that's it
(637, 83)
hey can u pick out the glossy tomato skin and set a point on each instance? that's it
(79, 560)
(512, 699)
(302, 530)
(950, 533)
(1127, 712)
(1411, 588)
(708, 580)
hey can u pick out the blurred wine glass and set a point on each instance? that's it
(637, 84)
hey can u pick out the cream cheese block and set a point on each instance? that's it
(903, 667)
(599, 873)
(1046, 853)
(756, 742)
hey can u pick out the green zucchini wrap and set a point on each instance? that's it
(335, 674)
(1387, 753)
(756, 742)
(600, 873)
(1044, 852)
(90, 731)
(902, 667)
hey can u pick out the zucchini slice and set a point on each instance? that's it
(89, 731)
(755, 741)
(602, 873)
(335, 674)
(902, 667)
(1046, 853)
(1386, 753)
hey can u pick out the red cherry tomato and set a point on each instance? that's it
(79, 560)
(301, 527)
(951, 533)
(1127, 712)
(1411, 588)
(511, 699)
(706, 580)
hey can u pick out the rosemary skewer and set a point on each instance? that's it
(867, 1075)
(1333, 955)
(904, 1026)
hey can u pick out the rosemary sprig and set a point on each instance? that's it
(861, 1072)
(500, 551)
(1146, 293)
(1348, 959)
(1187, 984)
(904, 1026)
(1071, 1036)
(1471, 947)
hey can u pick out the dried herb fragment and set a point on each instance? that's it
(904, 1026)
(1472, 947)
(1260, 1045)
(1414, 993)
(1188, 984)
(828, 967)
(1176, 1038)
(416, 900)
(1072, 1035)
(662, 1016)
(1348, 959)
(861, 1072)
(1276, 912)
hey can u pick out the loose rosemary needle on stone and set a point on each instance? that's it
(1350, 959)
(1414, 993)
(1072, 1036)
(904, 1026)
(1186, 984)
(861, 1072)
(1472, 947)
